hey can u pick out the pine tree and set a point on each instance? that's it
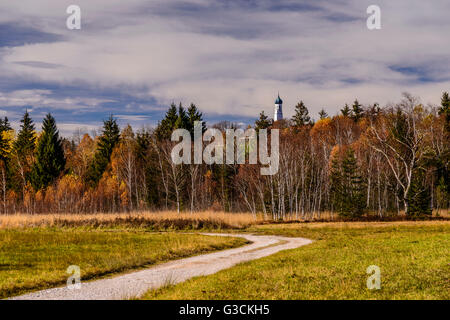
(108, 140)
(346, 112)
(263, 122)
(301, 116)
(357, 111)
(323, 114)
(50, 160)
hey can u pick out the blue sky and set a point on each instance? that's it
(230, 57)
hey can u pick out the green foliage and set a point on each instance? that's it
(418, 198)
(194, 115)
(108, 140)
(178, 118)
(182, 121)
(167, 125)
(347, 186)
(50, 160)
(357, 111)
(26, 138)
(263, 122)
(445, 110)
(346, 112)
(323, 114)
(301, 116)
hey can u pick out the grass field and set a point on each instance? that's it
(414, 259)
(37, 258)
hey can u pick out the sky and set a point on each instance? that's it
(134, 58)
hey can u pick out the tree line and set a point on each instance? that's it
(364, 160)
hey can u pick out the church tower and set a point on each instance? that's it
(278, 112)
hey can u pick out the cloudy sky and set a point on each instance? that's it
(133, 58)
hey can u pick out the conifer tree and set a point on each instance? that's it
(336, 186)
(166, 126)
(263, 122)
(108, 140)
(194, 115)
(182, 121)
(50, 160)
(346, 185)
(23, 149)
(26, 137)
(445, 110)
(346, 112)
(323, 114)
(301, 116)
(419, 198)
(353, 189)
(357, 111)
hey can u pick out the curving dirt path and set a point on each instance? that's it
(137, 283)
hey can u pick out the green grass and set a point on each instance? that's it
(32, 259)
(414, 261)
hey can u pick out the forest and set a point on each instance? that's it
(364, 161)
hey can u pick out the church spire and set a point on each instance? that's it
(278, 112)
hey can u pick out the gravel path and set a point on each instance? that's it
(137, 283)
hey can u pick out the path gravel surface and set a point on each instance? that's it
(133, 285)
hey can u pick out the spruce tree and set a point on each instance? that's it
(353, 203)
(301, 116)
(24, 150)
(194, 115)
(346, 112)
(357, 111)
(263, 122)
(26, 137)
(50, 160)
(107, 141)
(323, 114)
(346, 185)
(166, 126)
(336, 185)
(182, 121)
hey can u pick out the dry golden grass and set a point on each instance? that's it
(361, 224)
(158, 220)
(154, 220)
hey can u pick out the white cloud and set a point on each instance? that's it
(234, 61)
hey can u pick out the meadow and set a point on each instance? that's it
(35, 251)
(413, 257)
(37, 258)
